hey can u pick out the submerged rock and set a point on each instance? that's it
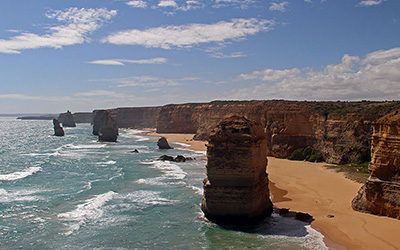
(58, 130)
(381, 194)
(163, 143)
(67, 120)
(236, 188)
(109, 131)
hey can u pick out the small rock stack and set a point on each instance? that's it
(236, 188)
(58, 130)
(381, 194)
(162, 143)
(67, 120)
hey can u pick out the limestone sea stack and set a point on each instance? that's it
(58, 130)
(381, 194)
(67, 120)
(163, 143)
(109, 131)
(236, 188)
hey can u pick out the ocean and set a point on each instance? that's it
(74, 192)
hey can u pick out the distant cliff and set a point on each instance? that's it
(341, 131)
(140, 117)
(83, 117)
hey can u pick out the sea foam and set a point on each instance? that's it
(91, 209)
(20, 174)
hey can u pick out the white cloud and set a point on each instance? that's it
(167, 3)
(186, 36)
(78, 24)
(281, 6)
(243, 4)
(122, 62)
(216, 52)
(137, 4)
(375, 76)
(370, 2)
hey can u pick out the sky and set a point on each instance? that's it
(89, 54)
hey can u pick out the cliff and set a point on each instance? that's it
(139, 117)
(83, 117)
(341, 131)
(381, 194)
(236, 187)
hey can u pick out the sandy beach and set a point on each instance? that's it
(326, 195)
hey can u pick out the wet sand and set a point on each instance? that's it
(323, 193)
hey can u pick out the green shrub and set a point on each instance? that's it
(306, 154)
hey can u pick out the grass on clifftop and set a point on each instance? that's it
(353, 171)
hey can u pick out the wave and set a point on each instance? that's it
(85, 146)
(143, 198)
(135, 134)
(170, 170)
(182, 144)
(197, 190)
(19, 196)
(91, 209)
(20, 174)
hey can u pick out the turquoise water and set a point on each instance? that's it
(76, 193)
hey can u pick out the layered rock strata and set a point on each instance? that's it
(236, 188)
(381, 194)
(67, 120)
(58, 130)
(83, 117)
(109, 131)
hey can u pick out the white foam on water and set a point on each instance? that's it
(90, 210)
(19, 196)
(85, 146)
(135, 134)
(20, 174)
(106, 163)
(143, 198)
(170, 170)
(156, 181)
(182, 144)
(314, 240)
(197, 190)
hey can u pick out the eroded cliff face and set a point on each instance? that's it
(143, 117)
(236, 187)
(178, 118)
(381, 194)
(67, 120)
(341, 131)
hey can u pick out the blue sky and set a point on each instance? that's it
(87, 54)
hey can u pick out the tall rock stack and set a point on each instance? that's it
(58, 130)
(67, 120)
(109, 129)
(381, 194)
(236, 188)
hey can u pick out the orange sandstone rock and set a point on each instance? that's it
(236, 188)
(381, 194)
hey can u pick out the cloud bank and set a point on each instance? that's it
(375, 76)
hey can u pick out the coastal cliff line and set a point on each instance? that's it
(339, 131)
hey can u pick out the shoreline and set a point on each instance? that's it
(313, 188)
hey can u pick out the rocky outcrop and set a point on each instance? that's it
(67, 120)
(100, 118)
(381, 194)
(109, 129)
(162, 143)
(83, 117)
(179, 158)
(58, 130)
(236, 187)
